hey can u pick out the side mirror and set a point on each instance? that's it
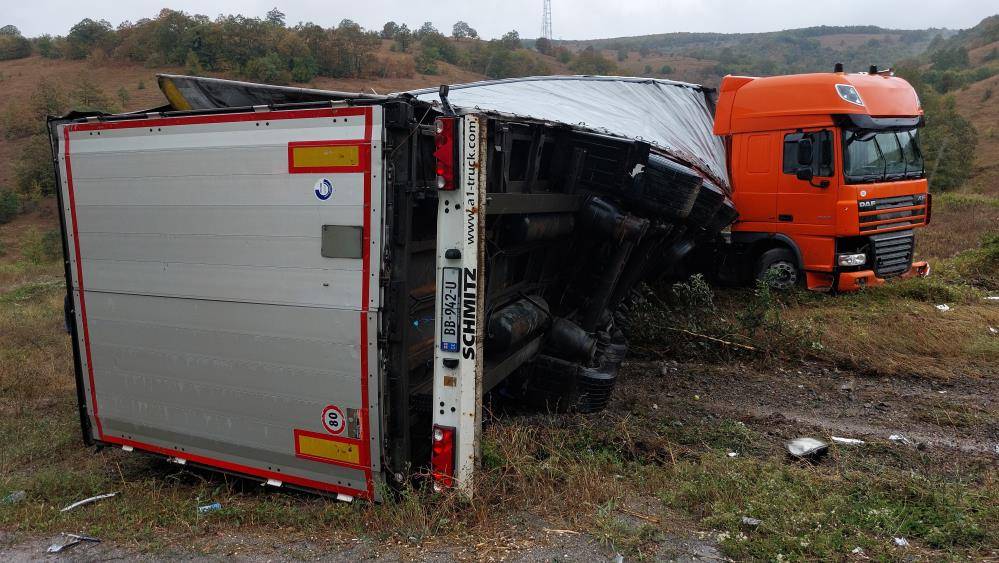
(804, 173)
(805, 151)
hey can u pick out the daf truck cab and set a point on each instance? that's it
(828, 178)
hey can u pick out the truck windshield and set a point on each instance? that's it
(880, 156)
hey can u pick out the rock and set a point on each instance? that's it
(14, 497)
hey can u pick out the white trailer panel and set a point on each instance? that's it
(216, 326)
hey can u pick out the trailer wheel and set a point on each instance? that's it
(778, 268)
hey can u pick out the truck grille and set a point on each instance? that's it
(886, 218)
(892, 253)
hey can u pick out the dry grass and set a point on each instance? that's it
(959, 221)
(896, 336)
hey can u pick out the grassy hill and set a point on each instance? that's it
(705, 57)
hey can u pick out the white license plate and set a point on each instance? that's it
(450, 289)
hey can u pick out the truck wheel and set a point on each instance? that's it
(778, 268)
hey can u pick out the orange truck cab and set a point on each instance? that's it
(827, 176)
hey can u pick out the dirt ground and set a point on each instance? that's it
(953, 425)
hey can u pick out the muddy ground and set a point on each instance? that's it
(952, 424)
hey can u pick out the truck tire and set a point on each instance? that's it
(778, 268)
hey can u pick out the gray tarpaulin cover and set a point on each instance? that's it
(673, 116)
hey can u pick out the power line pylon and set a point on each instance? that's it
(546, 21)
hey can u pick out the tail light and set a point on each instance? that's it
(444, 153)
(442, 457)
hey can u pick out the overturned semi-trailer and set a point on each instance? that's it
(316, 289)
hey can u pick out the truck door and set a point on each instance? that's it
(224, 283)
(807, 205)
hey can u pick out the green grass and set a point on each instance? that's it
(825, 512)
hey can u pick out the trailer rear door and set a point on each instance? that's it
(224, 272)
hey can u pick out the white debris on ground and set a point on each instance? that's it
(847, 441)
(805, 447)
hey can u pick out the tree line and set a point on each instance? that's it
(269, 50)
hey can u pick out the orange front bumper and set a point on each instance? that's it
(853, 281)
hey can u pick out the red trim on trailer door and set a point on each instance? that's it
(79, 282)
(239, 468)
(365, 295)
(229, 118)
(365, 291)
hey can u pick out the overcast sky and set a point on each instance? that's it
(571, 19)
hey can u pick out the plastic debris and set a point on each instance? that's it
(87, 501)
(943, 307)
(69, 540)
(993, 330)
(901, 542)
(992, 298)
(14, 497)
(749, 521)
(900, 439)
(807, 448)
(857, 550)
(210, 507)
(848, 441)
(733, 454)
(618, 558)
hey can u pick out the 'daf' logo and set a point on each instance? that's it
(324, 189)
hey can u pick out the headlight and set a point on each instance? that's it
(852, 259)
(849, 94)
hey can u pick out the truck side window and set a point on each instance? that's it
(790, 163)
(822, 150)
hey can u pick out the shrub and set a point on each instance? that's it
(683, 321)
(17, 122)
(10, 205)
(426, 60)
(590, 61)
(41, 248)
(14, 47)
(123, 97)
(33, 170)
(268, 69)
(47, 47)
(88, 96)
(303, 69)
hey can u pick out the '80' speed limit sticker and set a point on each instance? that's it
(333, 420)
